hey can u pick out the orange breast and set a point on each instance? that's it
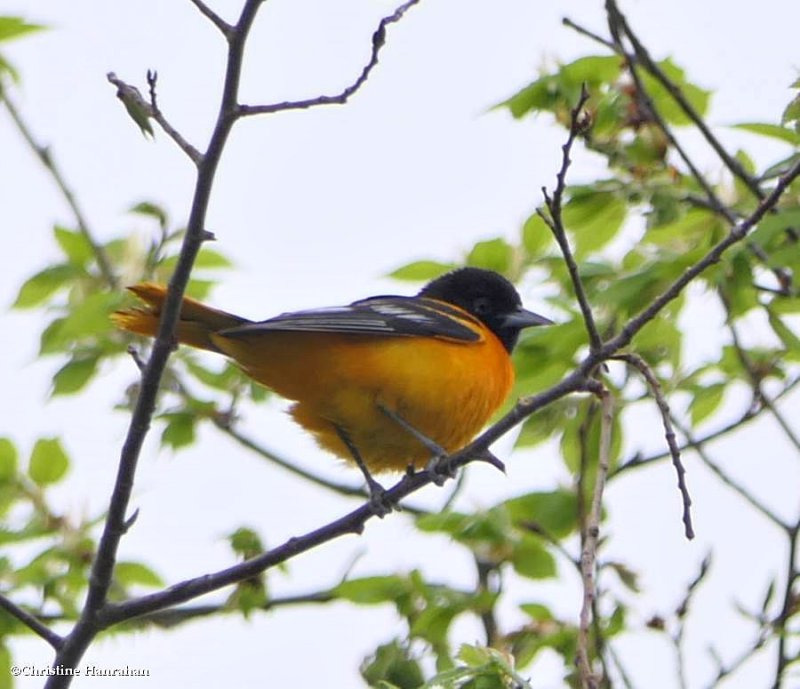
(446, 390)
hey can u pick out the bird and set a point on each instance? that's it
(388, 382)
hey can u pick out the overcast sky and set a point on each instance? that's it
(315, 208)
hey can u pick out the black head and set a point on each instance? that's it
(487, 296)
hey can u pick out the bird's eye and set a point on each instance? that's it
(481, 305)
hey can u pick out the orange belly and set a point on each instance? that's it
(446, 390)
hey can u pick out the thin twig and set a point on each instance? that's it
(669, 434)
(273, 457)
(578, 123)
(621, 26)
(214, 18)
(486, 571)
(378, 41)
(566, 21)
(354, 521)
(713, 202)
(175, 616)
(698, 447)
(591, 536)
(31, 622)
(755, 379)
(738, 232)
(88, 626)
(130, 94)
(788, 607)
(681, 612)
(47, 160)
(748, 415)
(195, 155)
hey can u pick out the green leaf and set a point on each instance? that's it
(626, 575)
(75, 374)
(421, 271)
(665, 104)
(492, 254)
(179, 431)
(594, 219)
(541, 94)
(151, 210)
(705, 402)
(44, 284)
(16, 27)
(792, 112)
(8, 460)
(74, 244)
(773, 131)
(372, 590)
(88, 319)
(784, 332)
(537, 611)
(211, 259)
(48, 463)
(135, 573)
(246, 542)
(6, 675)
(554, 511)
(393, 667)
(593, 70)
(536, 236)
(532, 560)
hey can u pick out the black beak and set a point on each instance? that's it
(522, 318)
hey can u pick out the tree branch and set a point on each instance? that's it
(46, 158)
(335, 486)
(87, 627)
(748, 415)
(620, 26)
(130, 95)
(755, 379)
(378, 41)
(669, 434)
(578, 123)
(31, 622)
(590, 538)
(225, 28)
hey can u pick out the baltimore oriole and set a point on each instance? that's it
(387, 381)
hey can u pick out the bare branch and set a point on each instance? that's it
(131, 95)
(225, 28)
(748, 415)
(273, 457)
(713, 202)
(698, 447)
(663, 407)
(87, 627)
(590, 538)
(755, 378)
(31, 622)
(788, 607)
(46, 158)
(738, 232)
(195, 155)
(378, 41)
(619, 25)
(578, 123)
(566, 21)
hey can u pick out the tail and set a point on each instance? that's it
(196, 326)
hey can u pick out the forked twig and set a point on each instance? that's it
(669, 433)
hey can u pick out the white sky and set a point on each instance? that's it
(314, 207)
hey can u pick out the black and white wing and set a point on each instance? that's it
(389, 316)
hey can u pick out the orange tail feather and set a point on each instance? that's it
(197, 323)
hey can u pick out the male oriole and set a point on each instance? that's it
(386, 381)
